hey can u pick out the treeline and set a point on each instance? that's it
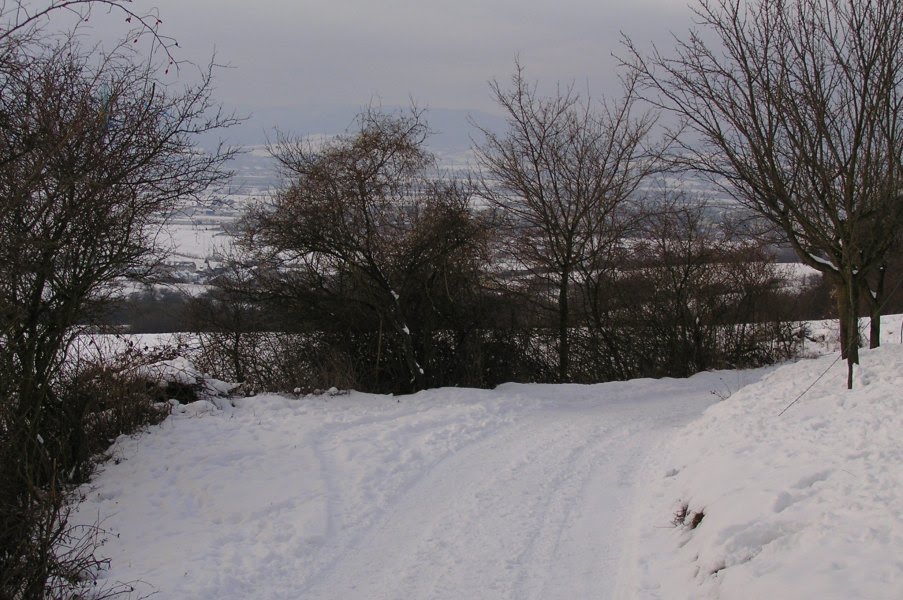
(792, 109)
(367, 270)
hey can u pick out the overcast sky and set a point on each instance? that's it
(317, 56)
(324, 52)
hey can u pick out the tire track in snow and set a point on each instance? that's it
(454, 532)
(351, 519)
(557, 552)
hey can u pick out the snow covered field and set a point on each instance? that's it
(525, 491)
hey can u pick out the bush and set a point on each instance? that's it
(41, 554)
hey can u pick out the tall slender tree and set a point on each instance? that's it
(560, 172)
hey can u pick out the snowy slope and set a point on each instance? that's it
(525, 491)
(804, 504)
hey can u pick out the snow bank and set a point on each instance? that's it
(808, 504)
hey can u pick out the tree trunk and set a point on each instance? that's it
(396, 317)
(410, 357)
(874, 325)
(848, 316)
(237, 362)
(874, 299)
(415, 369)
(564, 349)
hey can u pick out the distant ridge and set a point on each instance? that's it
(451, 126)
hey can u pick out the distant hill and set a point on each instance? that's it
(451, 127)
(451, 139)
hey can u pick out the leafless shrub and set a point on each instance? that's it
(95, 152)
(41, 554)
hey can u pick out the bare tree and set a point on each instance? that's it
(560, 172)
(96, 158)
(796, 110)
(363, 236)
(709, 293)
(95, 152)
(22, 21)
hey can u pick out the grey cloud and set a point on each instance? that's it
(315, 55)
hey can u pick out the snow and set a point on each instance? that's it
(805, 504)
(518, 492)
(180, 370)
(822, 261)
(797, 275)
(525, 491)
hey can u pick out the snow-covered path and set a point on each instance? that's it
(521, 492)
(529, 511)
